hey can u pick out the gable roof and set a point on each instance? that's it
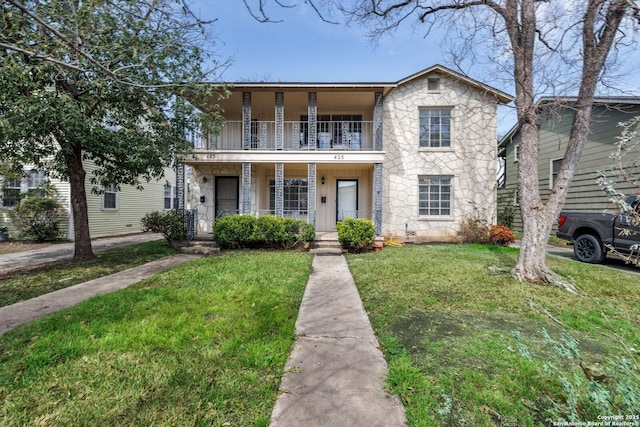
(567, 101)
(502, 97)
(386, 87)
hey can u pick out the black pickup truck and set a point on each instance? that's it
(592, 233)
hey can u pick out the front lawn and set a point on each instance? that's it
(465, 341)
(16, 287)
(202, 344)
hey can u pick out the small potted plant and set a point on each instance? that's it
(4, 234)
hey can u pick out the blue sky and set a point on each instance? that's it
(303, 48)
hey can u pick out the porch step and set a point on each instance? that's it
(201, 246)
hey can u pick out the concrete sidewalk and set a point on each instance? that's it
(62, 251)
(24, 312)
(335, 375)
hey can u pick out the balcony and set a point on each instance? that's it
(330, 136)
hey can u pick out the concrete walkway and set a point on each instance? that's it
(24, 312)
(62, 251)
(336, 372)
(335, 375)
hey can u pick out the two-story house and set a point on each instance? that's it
(555, 116)
(415, 156)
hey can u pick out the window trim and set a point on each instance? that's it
(110, 190)
(440, 147)
(551, 174)
(429, 215)
(25, 186)
(173, 197)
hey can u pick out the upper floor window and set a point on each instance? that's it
(515, 152)
(435, 127)
(30, 184)
(110, 198)
(434, 195)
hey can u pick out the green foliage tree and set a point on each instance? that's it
(98, 81)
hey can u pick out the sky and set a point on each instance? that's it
(303, 48)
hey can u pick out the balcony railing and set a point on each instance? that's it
(339, 136)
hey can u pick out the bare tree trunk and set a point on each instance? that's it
(82, 238)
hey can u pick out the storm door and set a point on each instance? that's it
(347, 199)
(227, 195)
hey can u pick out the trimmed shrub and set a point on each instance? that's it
(501, 235)
(355, 234)
(236, 231)
(171, 224)
(37, 218)
(246, 231)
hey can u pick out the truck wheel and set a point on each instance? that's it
(587, 248)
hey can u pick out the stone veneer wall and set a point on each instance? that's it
(198, 188)
(470, 161)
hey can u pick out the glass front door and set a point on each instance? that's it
(347, 200)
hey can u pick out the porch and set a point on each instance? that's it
(330, 135)
(321, 194)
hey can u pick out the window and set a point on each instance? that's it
(434, 195)
(110, 198)
(515, 152)
(31, 184)
(433, 84)
(11, 193)
(435, 128)
(295, 196)
(170, 199)
(555, 168)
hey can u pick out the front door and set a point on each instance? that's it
(227, 195)
(347, 199)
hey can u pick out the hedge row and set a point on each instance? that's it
(246, 231)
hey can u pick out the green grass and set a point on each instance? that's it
(202, 344)
(205, 343)
(21, 287)
(445, 314)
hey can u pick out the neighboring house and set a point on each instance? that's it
(111, 213)
(556, 116)
(415, 156)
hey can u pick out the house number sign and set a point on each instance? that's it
(338, 157)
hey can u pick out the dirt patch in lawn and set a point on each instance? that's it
(420, 328)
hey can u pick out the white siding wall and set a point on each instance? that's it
(133, 204)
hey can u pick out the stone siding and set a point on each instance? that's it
(470, 161)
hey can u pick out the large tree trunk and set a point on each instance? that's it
(82, 238)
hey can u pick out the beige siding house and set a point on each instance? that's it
(556, 116)
(110, 214)
(414, 156)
